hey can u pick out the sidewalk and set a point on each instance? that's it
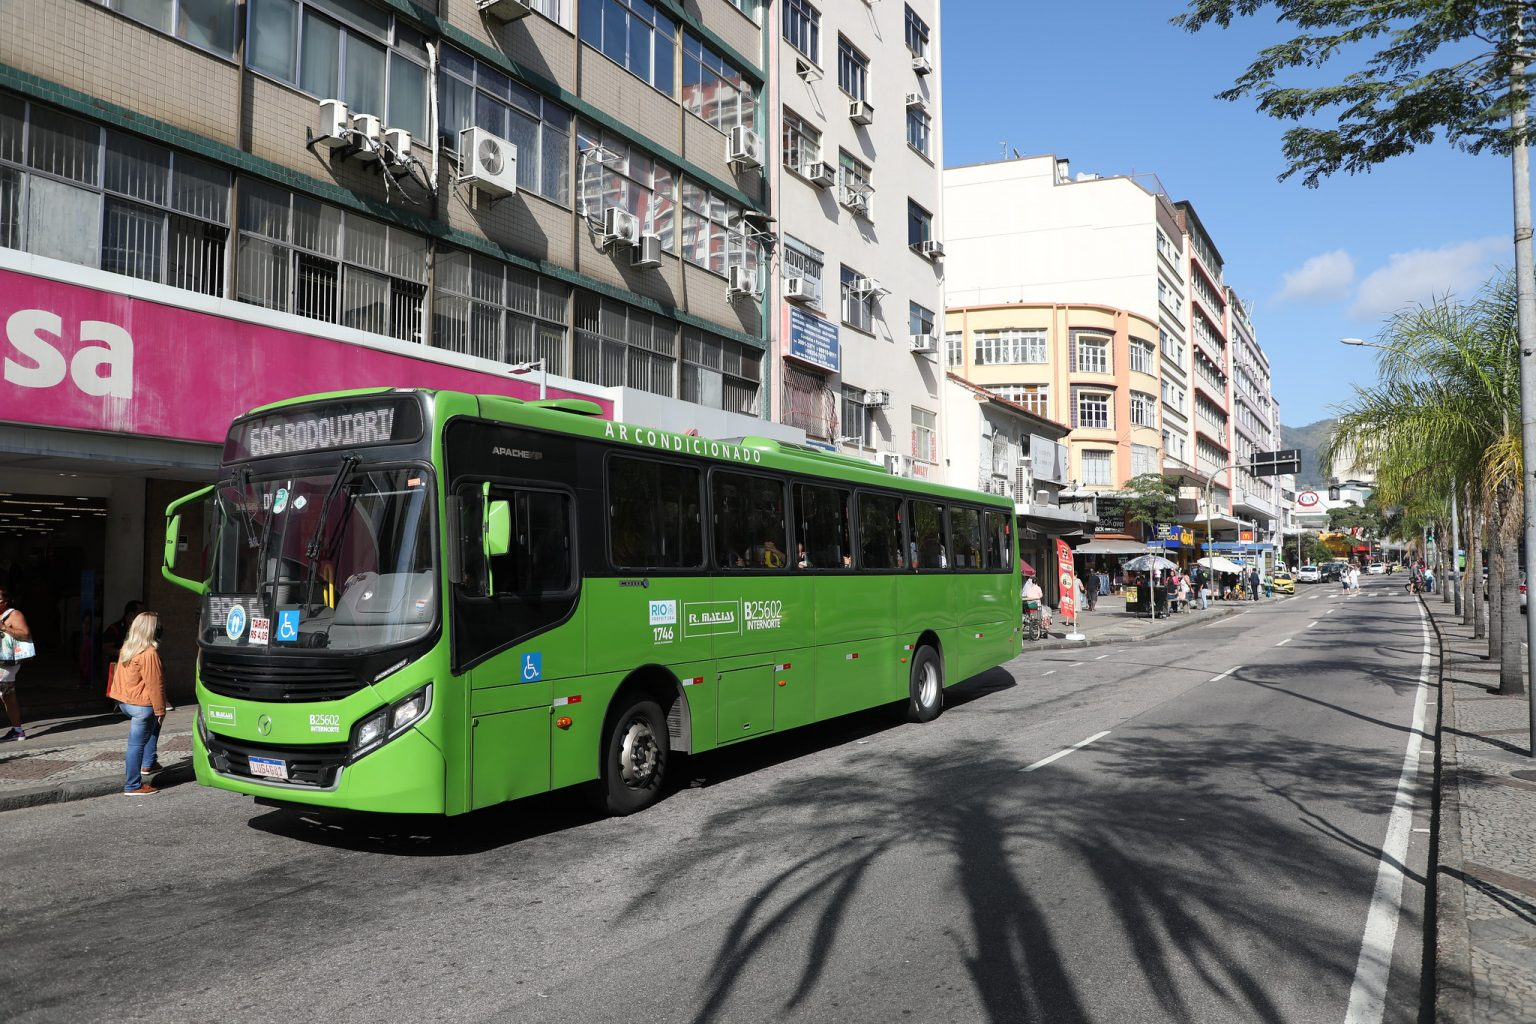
(1111, 624)
(1485, 874)
(76, 758)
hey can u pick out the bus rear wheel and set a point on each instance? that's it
(926, 687)
(635, 754)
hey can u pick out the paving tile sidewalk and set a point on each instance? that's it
(78, 757)
(1112, 625)
(1485, 874)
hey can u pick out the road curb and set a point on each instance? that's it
(1448, 900)
(80, 789)
(1064, 645)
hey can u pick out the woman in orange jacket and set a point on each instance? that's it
(138, 686)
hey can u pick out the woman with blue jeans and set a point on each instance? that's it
(138, 686)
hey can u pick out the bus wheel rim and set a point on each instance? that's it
(928, 685)
(638, 755)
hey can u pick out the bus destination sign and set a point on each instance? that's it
(313, 428)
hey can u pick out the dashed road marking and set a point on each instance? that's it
(1312, 623)
(1282, 643)
(1217, 679)
(1063, 753)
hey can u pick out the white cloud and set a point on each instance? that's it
(1323, 278)
(1423, 275)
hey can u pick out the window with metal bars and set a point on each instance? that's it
(487, 308)
(620, 346)
(475, 94)
(720, 373)
(306, 257)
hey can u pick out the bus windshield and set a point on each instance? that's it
(338, 560)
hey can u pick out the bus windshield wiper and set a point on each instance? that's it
(348, 464)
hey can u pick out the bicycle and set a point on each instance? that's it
(1034, 621)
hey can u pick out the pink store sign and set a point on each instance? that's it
(94, 360)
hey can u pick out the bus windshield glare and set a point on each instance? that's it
(339, 560)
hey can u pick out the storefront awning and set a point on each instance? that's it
(1111, 547)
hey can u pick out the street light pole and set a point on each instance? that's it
(533, 364)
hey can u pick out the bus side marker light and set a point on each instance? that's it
(781, 682)
(562, 723)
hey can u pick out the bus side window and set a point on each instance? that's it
(880, 534)
(929, 549)
(998, 536)
(965, 533)
(823, 541)
(653, 515)
(539, 559)
(751, 528)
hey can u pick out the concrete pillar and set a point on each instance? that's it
(126, 540)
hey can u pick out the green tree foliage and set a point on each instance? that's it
(1151, 500)
(1440, 68)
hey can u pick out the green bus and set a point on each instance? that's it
(431, 602)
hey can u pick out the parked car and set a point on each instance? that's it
(1309, 574)
(1376, 569)
(1285, 583)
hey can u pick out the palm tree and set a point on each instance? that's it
(1445, 412)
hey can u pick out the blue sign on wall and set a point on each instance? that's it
(814, 340)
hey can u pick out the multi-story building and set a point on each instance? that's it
(208, 205)
(858, 283)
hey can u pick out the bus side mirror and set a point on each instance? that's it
(172, 535)
(498, 528)
(173, 540)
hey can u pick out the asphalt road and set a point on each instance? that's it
(1211, 855)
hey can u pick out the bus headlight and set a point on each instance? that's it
(388, 722)
(408, 710)
(370, 732)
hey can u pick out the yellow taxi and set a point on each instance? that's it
(1285, 583)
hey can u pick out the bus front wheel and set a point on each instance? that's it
(635, 753)
(926, 688)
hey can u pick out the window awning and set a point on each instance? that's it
(1111, 547)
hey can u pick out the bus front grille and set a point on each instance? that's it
(308, 765)
(277, 681)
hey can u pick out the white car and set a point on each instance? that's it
(1376, 569)
(1309, 574)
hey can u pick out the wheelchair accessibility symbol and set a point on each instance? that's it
(287, 625)
(533, 667)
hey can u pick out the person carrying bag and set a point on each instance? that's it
(15, 647)
(138, 686)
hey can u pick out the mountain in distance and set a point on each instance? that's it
(1310, 439)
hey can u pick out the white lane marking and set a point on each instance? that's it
(1332, 610)
(1077, 663)
(1101, 657)
(1312, 598)
(1368, 994)
(1282, 643)
(1312, 623)
(1217, 679)
(1051, 672)
(1063, 753)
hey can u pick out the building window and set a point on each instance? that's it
(1174, 445)
(1143, 356)
(1173, 346)
(920, 319)
(1093, 410)
(1031, 396)
(720, 373)
(614, 173)
(619, 346)
(1014, 345)
(751, 8)
(1144, 460)
(802, 28)
(209, 24)
(1097, 469)
(1166, 248)
(852, 69)
(858, 301)
(1092, 355)
(1167, 296)
(919, 224)
(802, 144)
(1173, 395)
(713, 235)
(368, 59)
(919, 128)
(954, 348)
(917, 34)
(854, 174)
(925, 437)
(78, 193)
(807, 261)
(474, 93)
(1143, 409)
(715, 90)
(634, 35)
(309, 258)
(854, 422)
(483, 307)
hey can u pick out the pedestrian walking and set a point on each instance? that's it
(138, 686)
(1253, 583)
(14, 625)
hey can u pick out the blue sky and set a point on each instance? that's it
(1116, 88)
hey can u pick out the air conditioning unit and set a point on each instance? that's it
(397, 150)
(620, 227)
(932, 248)
(504, 10)
(822, 175)
(877, 399)
(925, 343)
(802, 289)
(897, 464)
(922, 65)
(861, 112)
(333, 125)
(854, 200)
(866, 286)
(742, 281)
(487, 162)
(647, 254)
(916, 101)
(744, 147)
(367, 135)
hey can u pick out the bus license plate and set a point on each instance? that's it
(269, 768)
